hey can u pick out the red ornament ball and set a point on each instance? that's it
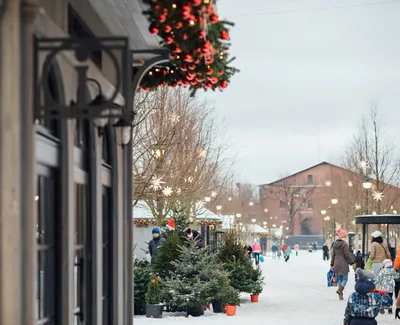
(168, 29)
(153, 29)
(224, 35)
(223, 84)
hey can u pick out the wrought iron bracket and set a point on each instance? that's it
(46, 50)
(162, 56)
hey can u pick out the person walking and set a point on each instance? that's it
(256, 248)
(155, 244)
(296, 248)
(341, 259)
(315, 246)
(385, 280)
(379, 252)
(365, 303)
(274, 249)
(325, 252)
(287, 253)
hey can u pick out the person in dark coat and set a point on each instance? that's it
(155, 244)
(341, 259)
(196, 236)
(248, 250)
(315, 246)
(325, 252)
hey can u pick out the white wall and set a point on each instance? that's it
(141, 236)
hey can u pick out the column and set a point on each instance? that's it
(29, 10)
(11, 293)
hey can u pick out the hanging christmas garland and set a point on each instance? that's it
(144, 222)
(198, 44)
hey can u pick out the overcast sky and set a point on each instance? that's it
(303, 70)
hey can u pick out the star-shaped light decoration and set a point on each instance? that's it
(214, 194)
(229, 199)
(350, 183)
(167, 191)
(207, 199)
(156, 182)
(328, 183)
(174, 118)
(378, 196)
(357, 206)
(363, 165)
(203, 153)
(200, 204)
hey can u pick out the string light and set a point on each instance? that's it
(174, 5)
(191, 22)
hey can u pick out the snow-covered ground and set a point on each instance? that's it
(294, 293)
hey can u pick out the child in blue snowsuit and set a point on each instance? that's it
(365, 303)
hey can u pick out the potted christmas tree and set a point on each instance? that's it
(189, 285)
(232, 298)
(154, 307)
(257, 279)
(141, 280)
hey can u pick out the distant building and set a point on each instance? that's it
(301, 203)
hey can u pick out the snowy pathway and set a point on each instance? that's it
(295, 293)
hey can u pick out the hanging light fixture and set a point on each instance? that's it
(123, 132)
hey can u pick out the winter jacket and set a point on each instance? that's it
(385, 279)
(325, 249)
(379, 252)
(284, 247)
(296, 247)
(396, 265)
(364, 303)
(256, 247)
(359, 263)
(154, 247)
(341, 257)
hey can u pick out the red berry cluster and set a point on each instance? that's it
(197, 40)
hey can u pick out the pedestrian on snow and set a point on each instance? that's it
(385, 280)
(315, 246)
(279, 252)
(365, 303)
(296, 248)
(155, 244)
(358, 263)
(396, 266)
(287, 253)
(325, 252)
(341, 259)
(274, 249)
(256, 248)
(284, 247)
(379, 252)
(196, 237)
(248, 250)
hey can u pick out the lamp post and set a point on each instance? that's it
(366, 185)
(334, 202)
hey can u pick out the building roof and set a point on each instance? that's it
(378, 219)
(142, 211)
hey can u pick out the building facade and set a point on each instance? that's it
(65, 202)
(318, 199)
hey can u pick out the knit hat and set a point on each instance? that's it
(376, 234)
(387, 263)
(341, 233)
(364, 274)
(155, 230)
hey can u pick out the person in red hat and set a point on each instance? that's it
(341, 259)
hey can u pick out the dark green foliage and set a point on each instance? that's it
(169, 252)
(231, 296)
(141, 279)
(196, 279)
(231, 250)
(243, 276)
(153, 293)
(182, 223)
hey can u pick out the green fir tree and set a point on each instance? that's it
(153, 293)
(141, 279)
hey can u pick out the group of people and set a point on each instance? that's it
(375, 288)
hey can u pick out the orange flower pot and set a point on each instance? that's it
(254, 298)
(230, 310)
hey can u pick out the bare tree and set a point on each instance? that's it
(177, 158)
(294, 194)
(372, 156)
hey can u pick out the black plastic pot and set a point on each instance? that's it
(195, 311)
(218, 307)
(154, 311)
(140, 308)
